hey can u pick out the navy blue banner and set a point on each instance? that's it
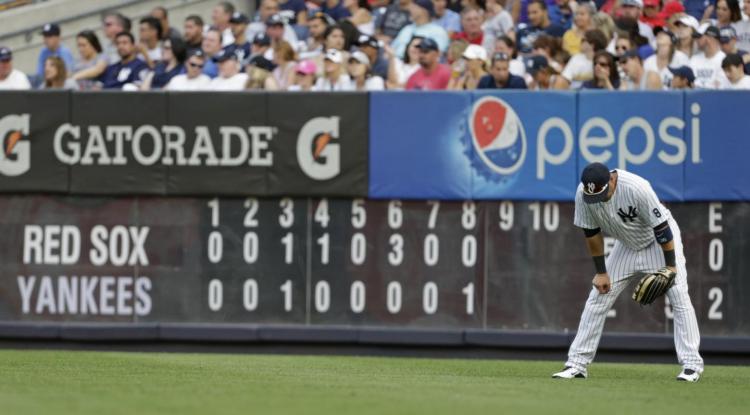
(717, 126)
(525, 146)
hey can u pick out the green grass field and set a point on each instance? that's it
(60, 382)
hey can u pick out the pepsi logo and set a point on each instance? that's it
(498, 136)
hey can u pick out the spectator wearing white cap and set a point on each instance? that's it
(334, 76)
(476, 59)
(53, 47)
(193, 79)
(634, 10)
(421, 12)
(362, 77)
(733, 67)
(743, 28)
(686, 30)
(230, 78)
(431, 75)
(11, 78)
(446, 18)
(666, 56)
(706, 65)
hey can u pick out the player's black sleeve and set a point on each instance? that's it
(591, 232)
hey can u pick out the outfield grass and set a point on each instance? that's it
(60, 382)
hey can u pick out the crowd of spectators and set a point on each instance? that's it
(370, 45)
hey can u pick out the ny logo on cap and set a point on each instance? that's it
(592, 187)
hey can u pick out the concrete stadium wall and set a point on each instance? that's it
(21, 27)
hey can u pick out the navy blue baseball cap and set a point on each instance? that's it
(275, 20)
(595, 179)
(683, 72)
(5, 54)
(262, 39)
(427, 5)
(535, 63)
(224, 55)
(239, 18)
(726, 34)
(427, 44)
(51, 29)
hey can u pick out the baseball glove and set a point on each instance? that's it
(653, 286)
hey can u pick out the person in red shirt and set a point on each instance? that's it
(652, 15)
(471, 25)
(432, 75)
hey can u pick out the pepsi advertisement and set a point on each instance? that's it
(532, 146)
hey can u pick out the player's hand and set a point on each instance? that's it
(601, 283)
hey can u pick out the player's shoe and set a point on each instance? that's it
(570, 373)
(688, 375)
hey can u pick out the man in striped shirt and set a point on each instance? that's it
(647, 238)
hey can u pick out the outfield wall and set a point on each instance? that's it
(171, 221)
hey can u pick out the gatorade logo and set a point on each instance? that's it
(15, 149)
(318, 154)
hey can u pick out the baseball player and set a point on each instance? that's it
(625, 206)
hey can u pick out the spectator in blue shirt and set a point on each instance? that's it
(335, 9)
(421, 14)
(130, 71)
(53, 47)
(211, 47)
(446, 18)
(500, 76)
(539, 24)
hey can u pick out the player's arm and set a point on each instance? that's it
(662, 232)
(664, 237)
(595, 244)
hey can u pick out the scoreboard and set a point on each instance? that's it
(346, 262)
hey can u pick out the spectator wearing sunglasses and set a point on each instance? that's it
(500, 76)
(606, 75)
(193, 79)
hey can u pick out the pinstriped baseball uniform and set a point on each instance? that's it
(629, 217)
